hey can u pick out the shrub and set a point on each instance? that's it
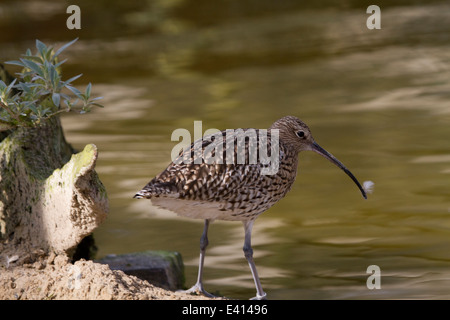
(39, 92)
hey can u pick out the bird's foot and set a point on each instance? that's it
(198, 289)
(260, 297)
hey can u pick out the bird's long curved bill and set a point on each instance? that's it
(330, 157)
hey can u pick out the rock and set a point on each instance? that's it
(50, 198)
(163, 269)
(83, 280)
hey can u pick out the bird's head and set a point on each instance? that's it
(295, 135)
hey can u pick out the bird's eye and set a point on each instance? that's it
(300, 134)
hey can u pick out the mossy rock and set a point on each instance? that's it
(50, 197)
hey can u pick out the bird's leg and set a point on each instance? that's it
(198, 286)
(248, 252)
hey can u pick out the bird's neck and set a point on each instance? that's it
(288, 161)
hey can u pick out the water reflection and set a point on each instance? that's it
(378, 100)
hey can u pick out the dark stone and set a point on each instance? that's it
(163, 269)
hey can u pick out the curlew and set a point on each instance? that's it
(229, 189)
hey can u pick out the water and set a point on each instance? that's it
(379, 100)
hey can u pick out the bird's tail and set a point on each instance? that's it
(142, 194)
(155, 189)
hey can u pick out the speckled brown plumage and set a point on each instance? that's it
(222, 191)
(233, 191)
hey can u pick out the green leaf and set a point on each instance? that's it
(36, 59)
(32, 107)
(72, 79)
(56, 99)
(53, 75)
(25, 87)
(8, 89)
(27, 104)
(64, 47)
(60, 63)
(48, 55)
(37, 78)
(76, 92)
(15, 62)
(42, 48)
(32, 66)
(64, 96)
(88, 90)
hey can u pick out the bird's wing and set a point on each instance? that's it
(213, 177)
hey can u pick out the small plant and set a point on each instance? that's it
(39, 92)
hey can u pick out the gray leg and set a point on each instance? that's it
(248, 252)
(198, 286)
